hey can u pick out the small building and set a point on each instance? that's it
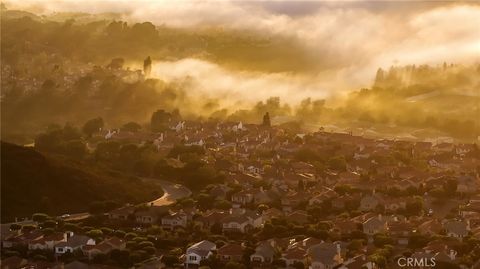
(174, 220)
(74, 242)
(230, 252)
(198, 252)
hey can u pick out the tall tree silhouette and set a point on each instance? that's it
(266, 120)
(147, 66)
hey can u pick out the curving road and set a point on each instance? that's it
(172, 192)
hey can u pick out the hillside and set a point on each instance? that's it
(32, 182)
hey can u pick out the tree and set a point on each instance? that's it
(70, 132)
(298, 265)
(107, 150)
(216, 228)
(414, 207)
(170, 260)
(416, 241)
(379, 77)
(95, 234)
(301, 185)
(116, 63)
(92, 126)
(355, 245)
(147, 66)
(211, 262)
(277, 263)
(223, 204)
(380, 240)
(450, 187)
(48, 141)
(40, 217)
(49, 224)
(96, 207)
(159, 121)
(234, 265)
(121, 257)
(266, 120)
(15, 227)
(205, 201)
(75, 149)
(338, 163)
(131, 127)
(379, 260)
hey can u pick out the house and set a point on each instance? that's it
(325, 256)
(456, 228)
(320, 198)
(198, 252)
(467, 184)
(121, 213)
(256, 220)
(430, 227)
(345, 226)
(74, 242)
(292, 200)
(375, 225)
(14, 262)
(150, 215)
(299, 217)
(47, 242)
(264, 253)
(357, 262)
(345, 201)
(242, 197)
(219, 191)
(293, 256)
(444, 147)
(230, 252)
(271, 213)
(104, 247)
(152, 263)
(260, 196)
(303, 167)
(237, 223)
(211, 218)
(171, 221)
(21, 239)
(306, 243)
(400, 230)
(392, 205)
(369, 202)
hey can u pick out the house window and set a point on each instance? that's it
(192, 258)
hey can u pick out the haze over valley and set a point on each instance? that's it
(240, 134)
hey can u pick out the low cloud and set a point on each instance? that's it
(352, 38)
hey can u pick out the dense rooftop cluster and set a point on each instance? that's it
(270, 197)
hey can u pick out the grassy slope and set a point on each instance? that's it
(32, 182)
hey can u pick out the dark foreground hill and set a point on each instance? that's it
(33, 182)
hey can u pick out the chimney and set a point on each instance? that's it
(452, 254)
